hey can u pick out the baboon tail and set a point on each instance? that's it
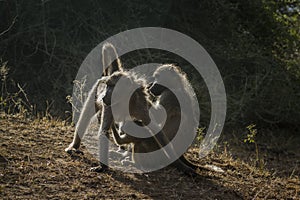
(188, 163)
(186, 166)
(110, 60)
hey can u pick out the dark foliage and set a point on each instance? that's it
(254, 44)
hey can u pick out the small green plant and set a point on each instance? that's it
(199, 137)
(251, 136)
(200, 133)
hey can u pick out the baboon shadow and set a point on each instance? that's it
(168, 183)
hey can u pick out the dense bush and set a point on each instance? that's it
(254, 44)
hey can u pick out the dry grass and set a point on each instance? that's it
(33, 165)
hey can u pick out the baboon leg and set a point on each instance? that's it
(123, 140)
(181, 163)
(85, 117)
(103, 134)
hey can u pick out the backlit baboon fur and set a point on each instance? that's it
(139, 104)
(91, 101)
(168, 100)
(107, 51)
(100, 97)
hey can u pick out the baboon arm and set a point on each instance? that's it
(84, 118)
(121, 139)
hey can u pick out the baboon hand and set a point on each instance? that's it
(127, 161)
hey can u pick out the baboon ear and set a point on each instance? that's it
(109, 54)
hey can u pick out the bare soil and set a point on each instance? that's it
(33, 165)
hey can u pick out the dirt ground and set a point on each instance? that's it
(33, 165)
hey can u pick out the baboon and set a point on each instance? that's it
(175, 116)
(95, 93)
(100, 96)
(139, 104)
